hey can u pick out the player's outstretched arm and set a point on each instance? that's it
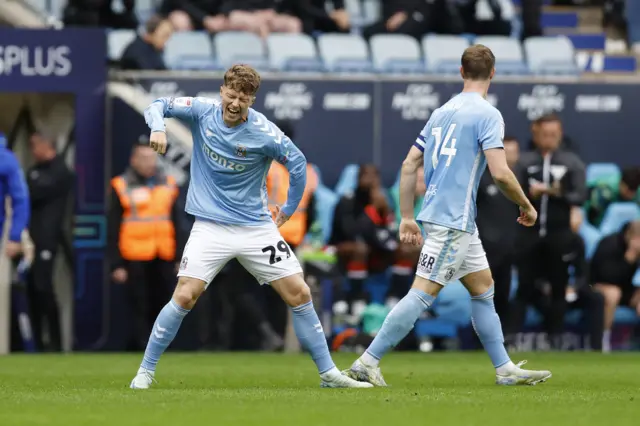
(184, 109)
(286, 153)
(509, 185)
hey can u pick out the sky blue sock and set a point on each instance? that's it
(399, 322)
(164, 330)
(311, 336)
(487, 325)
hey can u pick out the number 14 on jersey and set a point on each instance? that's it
(443, 147)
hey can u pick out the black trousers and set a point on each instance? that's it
(545, 258)
(43, 304)
(501, 263)
(149, 287)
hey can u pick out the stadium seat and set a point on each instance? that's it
(599, 171)
(442, 53)
(293, 52)
(237, 46)
(189, 50)
(550, 55)
(344, 53)
(591, 236)
(617, 215)
(508, 53)
(117, 42)
(348, 180)
(325, 202)
(396, 53)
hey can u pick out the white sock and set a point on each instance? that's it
(331, 373)
(606, 341)
(505, 369)
(369, 360)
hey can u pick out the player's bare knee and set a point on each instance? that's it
(293, 290)
(300, 295)
(611, 293)
(188, 291)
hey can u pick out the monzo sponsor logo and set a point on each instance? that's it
(224, 162)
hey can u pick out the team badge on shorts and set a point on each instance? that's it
(241, 151)
(183, 263)
(449, 274)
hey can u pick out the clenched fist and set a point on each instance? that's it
(158, 142)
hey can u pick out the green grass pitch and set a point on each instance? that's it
(270, 389)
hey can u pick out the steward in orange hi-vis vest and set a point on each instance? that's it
(294, 230)
(147, 231)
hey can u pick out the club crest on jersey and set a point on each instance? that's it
(241, 151)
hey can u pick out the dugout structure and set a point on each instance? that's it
(60, 77)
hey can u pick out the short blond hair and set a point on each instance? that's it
(242, 78)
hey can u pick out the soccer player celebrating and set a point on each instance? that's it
(457, 143)
(233, 146)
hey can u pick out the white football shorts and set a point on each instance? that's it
(260, 249)
(448, 254)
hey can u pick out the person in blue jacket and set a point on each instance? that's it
(12, 184)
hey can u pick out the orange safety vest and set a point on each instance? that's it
(146, 232)
(294, 230)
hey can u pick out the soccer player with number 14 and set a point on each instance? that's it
(457, 143)
(233, 146)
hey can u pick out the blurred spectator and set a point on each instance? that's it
(12, 185)
(364, 234)
(296, 227)
(143, 236)
(50, 183)
(531, 13)
(410, 17)
(316, 18)
(567, 144)
(482, 17)
(145, 52)
(613, 267)
(554, 180)
(498, 228)
(99, 13)
(260, 17)
(190, 15)
(603, 194)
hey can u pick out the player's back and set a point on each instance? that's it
(453, 141)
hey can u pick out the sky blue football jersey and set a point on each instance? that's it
(229, 165)
(453, 141)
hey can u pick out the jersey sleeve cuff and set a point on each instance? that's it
(420, 143)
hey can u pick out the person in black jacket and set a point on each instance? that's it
(555, 182)
(497, 228)
(190, 15)
(614, 264)
(50, 183)
(145, 52)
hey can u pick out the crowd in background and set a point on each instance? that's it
(416, 18)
